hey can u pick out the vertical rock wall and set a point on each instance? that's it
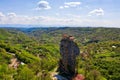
(69, 51)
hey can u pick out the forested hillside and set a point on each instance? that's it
(83, 35)
(34, 59)
(33, 53)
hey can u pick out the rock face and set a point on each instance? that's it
(69, 51)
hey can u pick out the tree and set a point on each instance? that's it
(24, 73)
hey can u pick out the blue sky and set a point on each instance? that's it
(61, 12)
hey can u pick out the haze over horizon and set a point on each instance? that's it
(104, 13)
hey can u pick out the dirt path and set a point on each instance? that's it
(53, 73)
(14, 63)
(55, 76)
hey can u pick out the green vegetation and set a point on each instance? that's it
(37, 52)
(102, 59)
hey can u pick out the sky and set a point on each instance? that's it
(74, 13)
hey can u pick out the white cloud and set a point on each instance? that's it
(66, 6)
(11, 15)
(1, 14)
(70, 4)
(43, 5)
(2, 17)
(98, 12)
(61, 7)
(69, 20)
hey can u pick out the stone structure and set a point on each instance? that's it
(69, 51)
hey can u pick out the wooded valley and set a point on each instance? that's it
(33, 53)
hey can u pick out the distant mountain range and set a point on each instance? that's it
(31, 26)
(83, 34)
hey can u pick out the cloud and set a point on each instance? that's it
(2, 17)
(98, 12)
(43, 5)
(68, 20)
(13, 18)
(11, 15)
(1, 14)
(61, 7)
(70, 4)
